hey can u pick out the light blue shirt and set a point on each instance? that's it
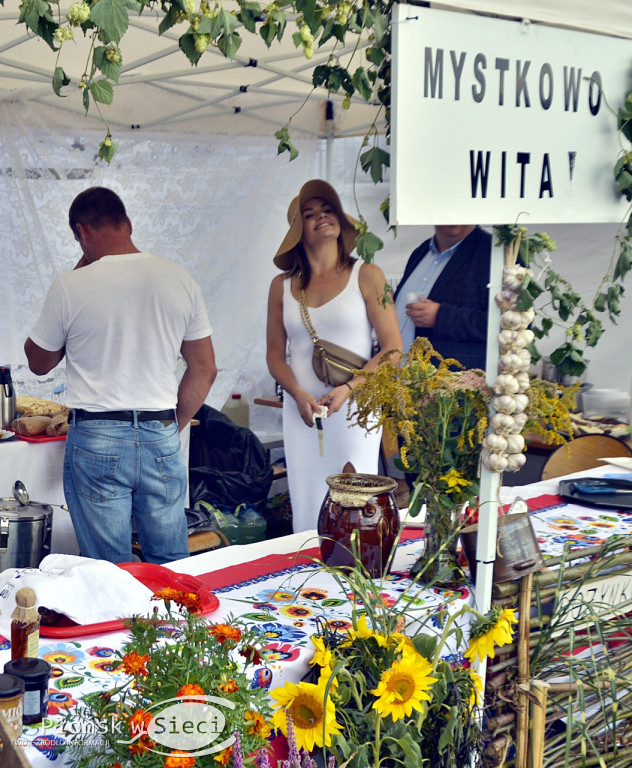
(420, 283)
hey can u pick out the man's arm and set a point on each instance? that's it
(40, 360)
(198, 378)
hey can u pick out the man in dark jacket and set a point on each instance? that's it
(444, 293)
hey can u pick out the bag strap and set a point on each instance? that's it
(307, 321)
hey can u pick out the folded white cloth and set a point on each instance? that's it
(86, 590)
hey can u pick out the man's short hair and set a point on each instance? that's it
(97, 207)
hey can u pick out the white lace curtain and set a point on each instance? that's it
(216, 204)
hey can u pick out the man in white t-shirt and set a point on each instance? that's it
(121, 318)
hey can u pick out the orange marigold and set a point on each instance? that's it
(144, 744)
(179, 759)
(133, 664)
(139, 722)
(224, 632)
(189, 600)
(230, 686)
(256, 723)
(224, 756)
(190, 689)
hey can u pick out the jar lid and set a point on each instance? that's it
(29, 669)
(10, 686)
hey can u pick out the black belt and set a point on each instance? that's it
(80, 415)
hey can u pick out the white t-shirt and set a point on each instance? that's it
(122, 320)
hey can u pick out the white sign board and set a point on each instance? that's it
(494, 120)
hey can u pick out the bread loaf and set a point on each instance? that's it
(31, 425)
(58, 425)
(35, 406)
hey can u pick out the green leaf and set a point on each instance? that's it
(227, 21)
(111, 69)
(249, 13)
(372, 162)
(426, 645)
(102, 91)
(111, 17)
(362, 83)
(375, 55)
(85, 98)
(229, 44)
(285, 143)
(568, 360)
(107, 152)
(187, 46)
(268, 32)
(60, 78)
(169, 20)
(367, 244)
(380, 27)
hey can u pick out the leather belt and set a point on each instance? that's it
(80, 415)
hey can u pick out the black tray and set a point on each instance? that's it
(617, 500)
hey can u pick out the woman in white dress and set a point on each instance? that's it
(345, 302)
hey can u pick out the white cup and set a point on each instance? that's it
(412, 296)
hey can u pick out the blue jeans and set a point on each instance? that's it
(116, 469)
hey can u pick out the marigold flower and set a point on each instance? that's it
(179, 759)
(133, 664)
(189, 600)
(144, 744)
(224, 756)
(189, 689)
(139, 722)
(256, 723)
(224, 632)
(230, 686)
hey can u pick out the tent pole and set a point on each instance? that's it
(490, 481)
(329, 146)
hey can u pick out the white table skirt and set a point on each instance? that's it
(40, 467)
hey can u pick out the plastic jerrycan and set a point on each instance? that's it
(237, 409)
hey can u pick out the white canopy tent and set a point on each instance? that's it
(200, 176)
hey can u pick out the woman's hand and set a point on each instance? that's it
(307, 406)
(335, 398)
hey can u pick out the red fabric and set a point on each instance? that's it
(269, 564)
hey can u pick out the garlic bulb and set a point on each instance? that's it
(521, 402)
(504, 404)
(512, 320)
(515, 461)
(515, 443)
(495, 443)
(495, 462)
(522, 377)
(513, 278)
(527, 317)
(505, 300)
(519, 420)
(506, 384)
(510, 363)
(502, 423)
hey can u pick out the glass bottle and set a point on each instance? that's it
(25, 625)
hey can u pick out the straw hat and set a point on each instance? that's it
(284, 258)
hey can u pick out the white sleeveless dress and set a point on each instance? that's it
(344, 321)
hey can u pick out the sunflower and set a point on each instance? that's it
(313, 717)
(402, 687)
(322, 654)
(363, 632)
(494, 630)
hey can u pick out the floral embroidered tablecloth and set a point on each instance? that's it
(284, 598)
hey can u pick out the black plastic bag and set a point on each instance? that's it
(228, 465)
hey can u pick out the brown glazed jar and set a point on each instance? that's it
(364, 504)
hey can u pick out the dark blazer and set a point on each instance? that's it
(460, 330)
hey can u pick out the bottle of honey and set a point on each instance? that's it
(25, 625)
